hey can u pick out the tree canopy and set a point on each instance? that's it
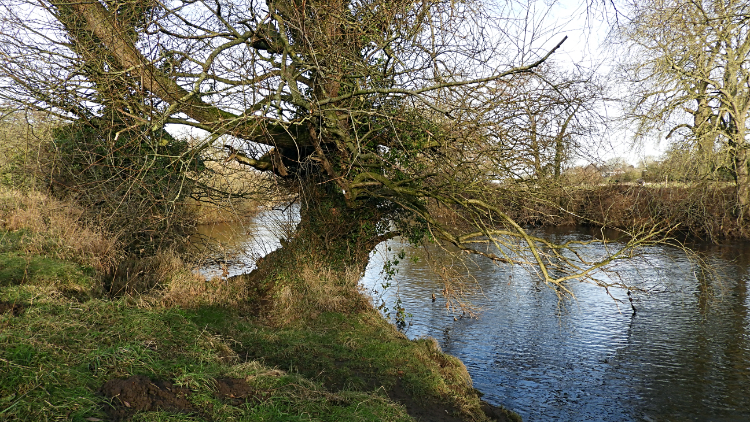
(379, 116)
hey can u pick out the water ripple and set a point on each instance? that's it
(683, 356)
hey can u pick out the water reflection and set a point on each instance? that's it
(236, 246)
(685, 355)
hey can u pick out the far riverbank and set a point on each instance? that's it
(706, 212)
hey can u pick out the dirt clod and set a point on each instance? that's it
(141, 394)
(236, 391)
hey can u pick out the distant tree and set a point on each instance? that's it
(689, 67)
(21, 134)
(545, 120)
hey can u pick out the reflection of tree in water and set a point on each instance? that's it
(670, 360)
(695, 345)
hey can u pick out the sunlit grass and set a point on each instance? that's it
(55, 356)
(328, 356)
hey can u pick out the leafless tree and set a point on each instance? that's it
(546, 119)
(690, 72)
(373, 112)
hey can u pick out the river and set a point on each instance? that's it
(684, 356)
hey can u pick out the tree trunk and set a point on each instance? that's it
(559, 154)
(743, 181)
(560, 144)
(318, 267)
(703, 131)
(535, 149)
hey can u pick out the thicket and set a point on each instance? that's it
(695, 211)
(133, 186)
(147, 190)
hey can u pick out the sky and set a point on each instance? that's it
(587, 31)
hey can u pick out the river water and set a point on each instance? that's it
(684, 356)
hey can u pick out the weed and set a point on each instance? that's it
(39, 225)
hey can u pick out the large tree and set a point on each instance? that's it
(690, 70)
(373, 113)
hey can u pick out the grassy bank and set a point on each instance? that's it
(695, 211)
(73, 347)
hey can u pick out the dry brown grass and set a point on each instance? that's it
(705, 211)
(305, 294)
(188, 289)
(702, 211)
(318, 290)
(57, 228)
(135, 276)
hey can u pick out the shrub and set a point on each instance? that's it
(131, 183)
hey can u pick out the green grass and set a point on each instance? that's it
(70, 340)
(25, 275)
(348, 351)
(57, 354)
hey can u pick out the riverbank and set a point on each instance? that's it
(177, 347)
(151, 341)
(695, 211)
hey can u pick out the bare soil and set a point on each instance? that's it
(142, 394)
(237, 391)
